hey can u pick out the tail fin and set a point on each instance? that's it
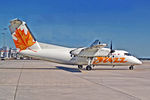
(22, 36)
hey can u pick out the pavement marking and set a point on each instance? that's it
(109, 88)
(17, 86)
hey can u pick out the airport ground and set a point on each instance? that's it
(42, 80)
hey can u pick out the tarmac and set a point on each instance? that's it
(43, 80)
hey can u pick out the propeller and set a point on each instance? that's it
(111, 48)
(111, 51)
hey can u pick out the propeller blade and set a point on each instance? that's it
(111, 46)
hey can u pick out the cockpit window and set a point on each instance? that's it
(127, 54)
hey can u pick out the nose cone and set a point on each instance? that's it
(137, 61)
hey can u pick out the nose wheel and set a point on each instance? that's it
(131, 67)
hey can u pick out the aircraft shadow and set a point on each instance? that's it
(75, 70)
(57, 68)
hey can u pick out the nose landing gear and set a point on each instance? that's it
(131, 67)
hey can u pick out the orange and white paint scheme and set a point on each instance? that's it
(109, 60)
(23, 41)
(96, 54)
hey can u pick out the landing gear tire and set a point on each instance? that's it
(131, 67)
(80, 66)
(88, 68)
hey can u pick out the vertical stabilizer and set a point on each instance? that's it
(22, 36)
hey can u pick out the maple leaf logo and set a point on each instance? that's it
(23, 40)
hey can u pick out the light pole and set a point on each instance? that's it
(4, 38)
(4, 42)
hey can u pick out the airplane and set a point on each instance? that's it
(96, 54)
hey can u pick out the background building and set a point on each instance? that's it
(7, 53)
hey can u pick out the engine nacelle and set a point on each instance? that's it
(75, 52)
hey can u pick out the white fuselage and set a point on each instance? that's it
(62, 55)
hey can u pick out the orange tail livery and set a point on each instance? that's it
(22, 36)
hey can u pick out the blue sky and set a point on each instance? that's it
(77, 23)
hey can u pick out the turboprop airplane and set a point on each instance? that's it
(96, 54)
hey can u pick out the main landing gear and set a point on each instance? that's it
(90, 63)
(131, 67)
(88, 67)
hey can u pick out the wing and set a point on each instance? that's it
(95, 50)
